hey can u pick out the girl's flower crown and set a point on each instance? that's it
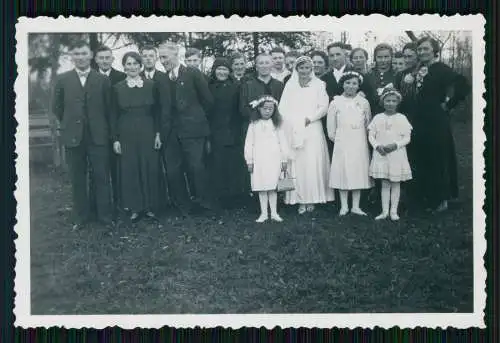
(353, 73)
(266, 98)
(390, 91)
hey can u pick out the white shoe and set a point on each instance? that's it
(381, 216)
(276, 217)
(302, 209)
(394, 216)
(358, 211)
(343, 211)
(262, 218)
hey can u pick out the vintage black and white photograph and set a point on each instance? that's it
(309, 171)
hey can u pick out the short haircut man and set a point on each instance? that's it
(149, 58)
(336, 55)
(278, 56)
(193, 57)
(290, 58)
(81, 101)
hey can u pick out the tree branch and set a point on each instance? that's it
(123, 46)
(412, 36)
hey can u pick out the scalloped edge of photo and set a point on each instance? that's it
(22, 310)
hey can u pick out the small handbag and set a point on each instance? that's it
(285, 182)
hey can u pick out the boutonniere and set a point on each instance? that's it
(409, 78)
(422, 72)
(182, 83)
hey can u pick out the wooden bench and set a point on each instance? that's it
(44, 141)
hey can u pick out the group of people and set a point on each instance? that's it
(200, 142)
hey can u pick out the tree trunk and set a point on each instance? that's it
(58, 151)
(94, 45)
(255, 38)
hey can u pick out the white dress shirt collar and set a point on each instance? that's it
(107, 72)
(280, 75)
(86, 71)
(337, 73)
(150, 74)
(83, 75)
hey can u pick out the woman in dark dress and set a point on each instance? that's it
(227, 165)
(137, 140)
(404, 81)
(438, 89)
(381, 75)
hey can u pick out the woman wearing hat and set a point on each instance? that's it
(227, 165)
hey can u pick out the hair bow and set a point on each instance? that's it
(389, 90)
(381, 90)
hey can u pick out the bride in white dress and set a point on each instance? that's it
(303, 103)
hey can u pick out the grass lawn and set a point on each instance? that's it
(229, 264)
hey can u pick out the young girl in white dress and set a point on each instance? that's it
(266, 155)
(348, 117)
(389, 133)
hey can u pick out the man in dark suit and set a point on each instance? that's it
(104, 59)
(149, 59)
(81, 102)
(186, 130)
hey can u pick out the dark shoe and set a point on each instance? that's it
(81, 222)
(79, 226)
(151, 216)
(135, 217)
(107, 222)
(180, 212)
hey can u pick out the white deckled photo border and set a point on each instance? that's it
(22, 309)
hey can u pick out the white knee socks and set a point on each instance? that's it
(395, 193)
(390, 194)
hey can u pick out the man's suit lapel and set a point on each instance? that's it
(158, 75)
(180, 77)
(90, 83)
(76, 84)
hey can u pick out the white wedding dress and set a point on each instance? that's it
(310, 163)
